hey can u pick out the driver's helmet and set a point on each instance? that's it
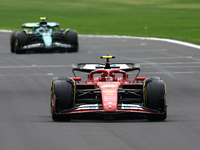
(103, 76)
(42, 29)
(112, 75)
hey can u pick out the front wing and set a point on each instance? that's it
(55, 45)
(97, 109)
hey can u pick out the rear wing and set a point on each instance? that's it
(88, 67)
(38, 24)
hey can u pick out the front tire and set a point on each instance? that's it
(72, 38)
(52, 89)
(156, 99)
(63, 91)
(20, 42)
(12, 41)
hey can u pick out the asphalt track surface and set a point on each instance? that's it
(25, 121)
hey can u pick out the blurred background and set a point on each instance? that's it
(173, 19)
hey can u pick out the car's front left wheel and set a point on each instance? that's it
(63, 99)
(20, 41)
(12, 41)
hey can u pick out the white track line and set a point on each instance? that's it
(67, 66)
(142, 50)
(52, 74)
(6, 31)
(144, 38)
(170, 72)
(178, 57)
(35, 66)
(132, 37)
(173, 63)
(198, 66)
(16, 75)
(150, 65)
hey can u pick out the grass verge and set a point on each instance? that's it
(173, 19)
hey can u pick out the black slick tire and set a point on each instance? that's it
(72, 38)
(12, 41)
(63, 91)
(20, 41)
(156, 99)
(52, 88)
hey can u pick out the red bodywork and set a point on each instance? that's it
(109, 86)
(108, 92)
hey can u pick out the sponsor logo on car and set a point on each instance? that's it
(109, 91)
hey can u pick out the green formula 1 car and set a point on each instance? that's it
(45, 36)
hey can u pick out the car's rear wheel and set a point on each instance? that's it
(20, 42)
(72, 38)
(12, 41)
(63, 100)
(156, 99)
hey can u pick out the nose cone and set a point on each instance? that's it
(109, 99)
(109, 91)
(47, 39)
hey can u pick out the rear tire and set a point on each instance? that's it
(63, 91)
(72, 38)
(156, 99)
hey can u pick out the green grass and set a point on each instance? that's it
(173, 19)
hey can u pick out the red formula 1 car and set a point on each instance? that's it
(108, 91)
